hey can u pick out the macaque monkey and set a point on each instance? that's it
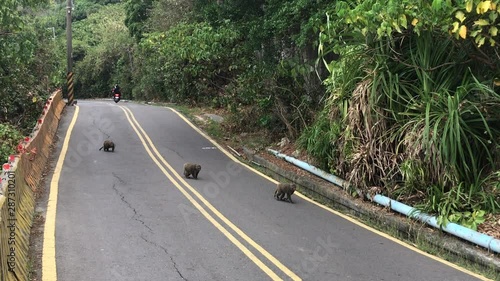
(283, 189)
(191, 169)
(107, 145)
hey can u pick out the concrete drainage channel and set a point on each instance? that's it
(465, 233)
(413, 229)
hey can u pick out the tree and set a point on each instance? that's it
(104, 52)
(24, 45)
(137, 12)
(167, 13)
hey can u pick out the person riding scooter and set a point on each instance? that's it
(116, 93)
(116, 90)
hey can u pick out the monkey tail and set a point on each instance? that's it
(101, 148)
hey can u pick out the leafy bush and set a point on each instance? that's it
(9, 138)
(193, 62)
(29, 69)
(321, 141)
(423, 120)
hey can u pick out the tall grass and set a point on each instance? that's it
(446, 127)
(322, 139)
(412, 119)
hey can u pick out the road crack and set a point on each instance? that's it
(122, 197)
(174, 264)
(98, 128)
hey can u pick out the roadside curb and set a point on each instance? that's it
(411, 229)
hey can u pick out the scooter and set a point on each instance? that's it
(117, 97)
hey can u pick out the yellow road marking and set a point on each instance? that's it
(387, 236)
(270, 257)
(49, 269)
(235, 241)
(352, 220)
(221, 148)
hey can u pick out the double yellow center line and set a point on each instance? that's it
(163, 165)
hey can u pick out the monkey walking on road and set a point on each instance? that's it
(192, 169)
(107, 145)
(283, 189)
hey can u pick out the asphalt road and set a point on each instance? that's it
(130, 215)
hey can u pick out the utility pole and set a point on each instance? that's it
(69, 54)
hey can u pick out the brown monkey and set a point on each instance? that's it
(283, 189)
(191, 169)
(107, 145)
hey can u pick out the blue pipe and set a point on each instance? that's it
(452, 228)
(318, 172)
(465, 233)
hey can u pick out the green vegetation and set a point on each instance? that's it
(419, 113)
(10, 137)
(29, 68)
(401, 95)
(103, 52)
